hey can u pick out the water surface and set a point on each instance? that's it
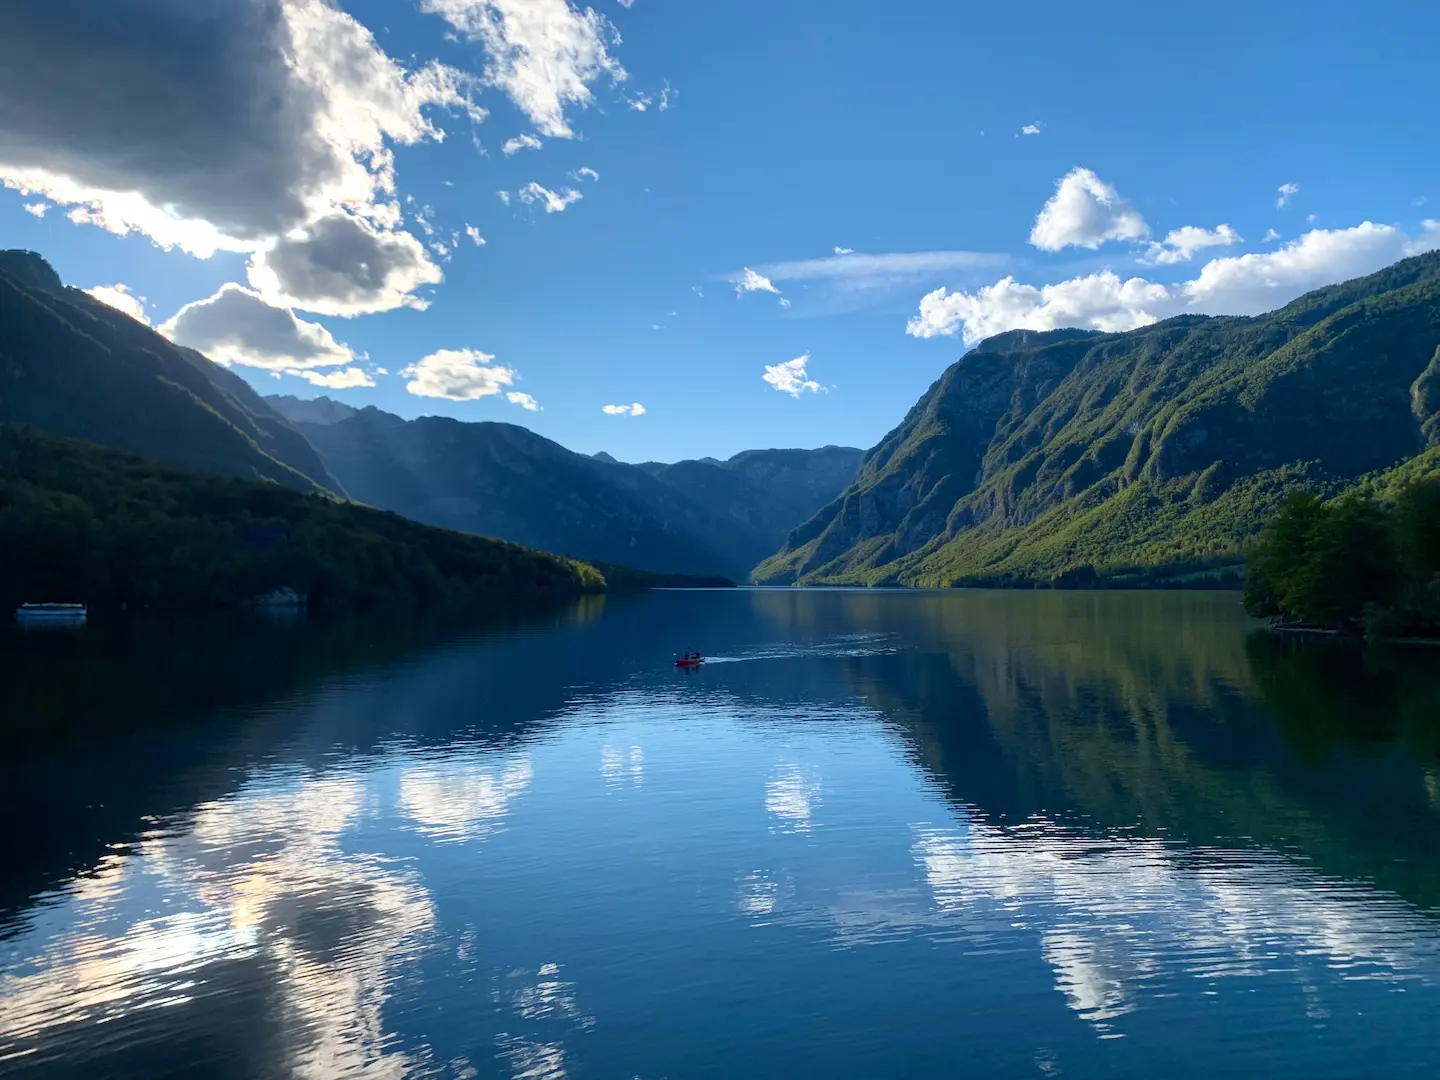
(879, 834)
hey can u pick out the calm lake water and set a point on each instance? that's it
(878, 835)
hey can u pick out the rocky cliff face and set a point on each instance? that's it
(1038, 453)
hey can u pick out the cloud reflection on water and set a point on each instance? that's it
(462, 799)
(620, 766)
(258, 879)
(792, 795)
(1117, 915)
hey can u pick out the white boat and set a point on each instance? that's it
(51, 614)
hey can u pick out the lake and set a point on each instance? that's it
(878, 834)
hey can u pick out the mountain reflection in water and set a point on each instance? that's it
(1089, 834)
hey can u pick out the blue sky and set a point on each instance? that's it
(790, 129)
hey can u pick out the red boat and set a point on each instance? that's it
(689, 661)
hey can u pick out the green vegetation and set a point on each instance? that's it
(72, 365)
(1351, 564)
(1073, 457)
(85, 524)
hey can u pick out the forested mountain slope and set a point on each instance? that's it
(84, 523)
(72, 365)
(1044, 456)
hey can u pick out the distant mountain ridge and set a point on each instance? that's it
(767, 492)
(505, 481)
(72, 365)
(1071, 455)
(320, 410)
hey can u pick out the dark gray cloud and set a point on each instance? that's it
(188, 101)
(207, 123)
(343, 265)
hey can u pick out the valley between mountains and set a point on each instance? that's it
(1065, 457)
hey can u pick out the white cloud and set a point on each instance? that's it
(1271, 234)
(1287, 192)
(635, 409)
(1032, 129)
(1234, 285)
(1254, 283)
(668, 94)
(457, 375)
(474, 234)
(554, 202)
(237, 326)
(844, 250)
(345, 379)
(585, 172)
(627, 3)
(1180, 245)
(1085, 212)
(37, 209)
(525, 401)
(856, 279)
(504, 197)
(121, 299)
(518, 143)
(791, 377)
(750, 281)
(876, 269)
(282, 112)
(544, 54)
(640, 102)
(344, 265)
(1096, 302)
(1312, 218)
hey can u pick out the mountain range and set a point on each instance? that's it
(1076, 457)
(502, 480)
(1064, 457)
(74, 366)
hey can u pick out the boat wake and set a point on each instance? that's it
(846, 645)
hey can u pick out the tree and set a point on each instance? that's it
(1350, 563)
(1280, 554)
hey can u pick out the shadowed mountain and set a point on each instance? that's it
(505, 481)
(501, 480)
(85, 523)
(74, 366)
(1072, 454)
(768, 492)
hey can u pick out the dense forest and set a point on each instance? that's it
(1359, 563)
(80, 523)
